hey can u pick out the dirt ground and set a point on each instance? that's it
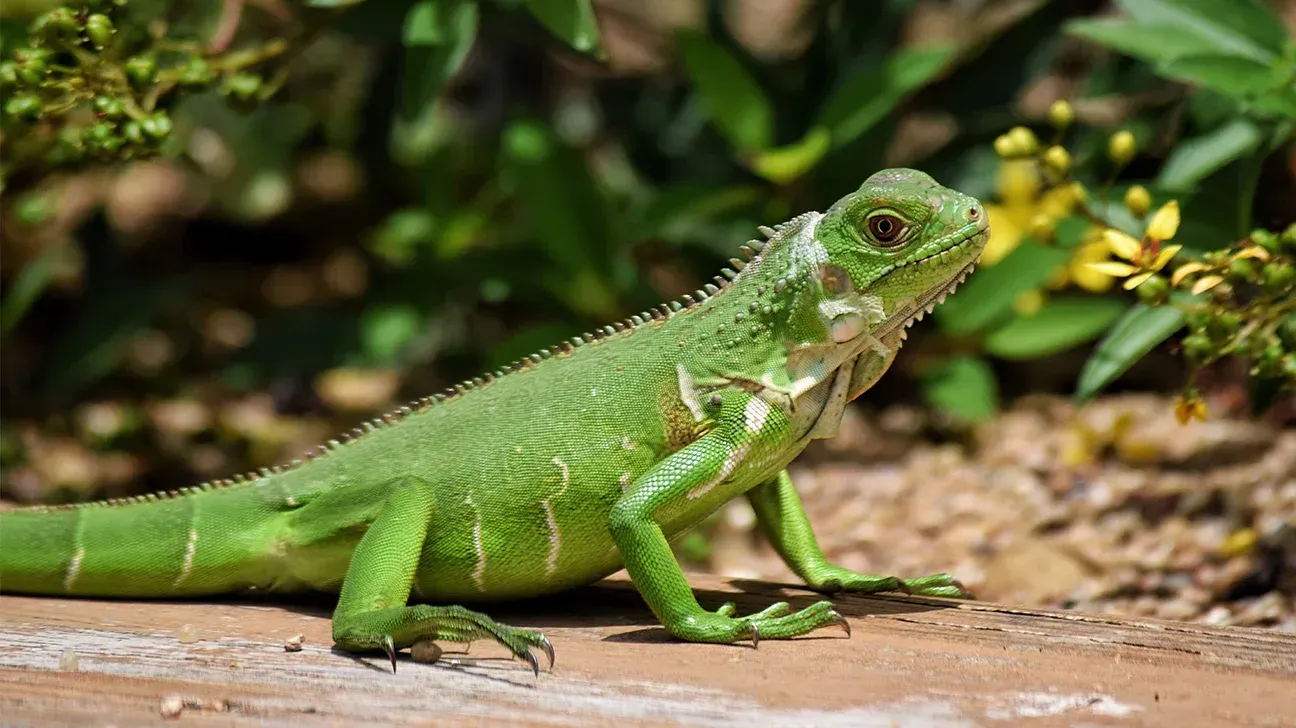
(907, 662)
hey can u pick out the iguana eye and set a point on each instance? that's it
(886, 229)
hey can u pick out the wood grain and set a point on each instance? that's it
(909, 662)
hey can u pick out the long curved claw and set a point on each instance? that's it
(755, 636)
(390, 648)
(842, 621)
(532, 661)
(548, 650)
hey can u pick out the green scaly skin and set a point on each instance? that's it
(569, 465)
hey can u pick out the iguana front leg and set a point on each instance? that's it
(692, 473)
(783, 519)
(372, 613)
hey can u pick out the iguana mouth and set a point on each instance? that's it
(906, 315)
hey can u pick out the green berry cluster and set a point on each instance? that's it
(1250, 309)
(83, 89)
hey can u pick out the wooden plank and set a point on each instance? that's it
(909, 662)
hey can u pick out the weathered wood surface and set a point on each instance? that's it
(910, 662)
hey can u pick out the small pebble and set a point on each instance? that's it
(172, 706)
(1219, 615)
(294, 643)
(188, 635)
(68, 661)
(425, 651)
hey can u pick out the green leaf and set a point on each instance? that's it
(1236, 27)
(1059, 325)
(1195, 159)
(989, 293)
(785, 164)
(425, 24)
(1132, 38)
(27, 287)
(867, 95)
(564, 210)
(733, 99)
(963, 387)
(443, 42)
(1229, 75)
(386, 329)
(571, 20)
(1138, 332)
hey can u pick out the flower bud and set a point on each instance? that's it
(1003, 146)
(141, 70)
(1138, 201)
(1061, 114)
(26, 107)
(1023, 140)
(1121, 147)
(99, 29)
(157, 126)
(1057, 159)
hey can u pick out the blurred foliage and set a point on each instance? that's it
(359, 201)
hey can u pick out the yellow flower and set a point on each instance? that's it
(1122, 245)
(1145, 257)
(1186, 270)
(1022, 209)
(1190, 407)
(1165, 222)
(1205, 283)
(1085, 276)
(1255, 251)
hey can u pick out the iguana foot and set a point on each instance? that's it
(835, 579)
(776, 621)
(396, 628)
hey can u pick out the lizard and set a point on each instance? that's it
(567, 465)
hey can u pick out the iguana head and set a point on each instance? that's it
(900, 243)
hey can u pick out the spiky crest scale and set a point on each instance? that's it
(753, 251)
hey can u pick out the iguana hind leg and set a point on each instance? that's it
(783, 519)
(372, 614)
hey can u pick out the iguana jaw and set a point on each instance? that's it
(909, 312)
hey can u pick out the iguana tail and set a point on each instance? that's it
(145, 547)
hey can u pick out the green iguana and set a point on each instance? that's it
(560, 469)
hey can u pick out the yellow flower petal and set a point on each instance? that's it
(1165, 255)
(1089, 279)
(1165, 223)
(1079, 272)
(1005, 234)
(1137, 280)
(1255, 251)
(1112, 268)
(1122, 245)
(1186, 270)
(1018, 181)
(1205, 283)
